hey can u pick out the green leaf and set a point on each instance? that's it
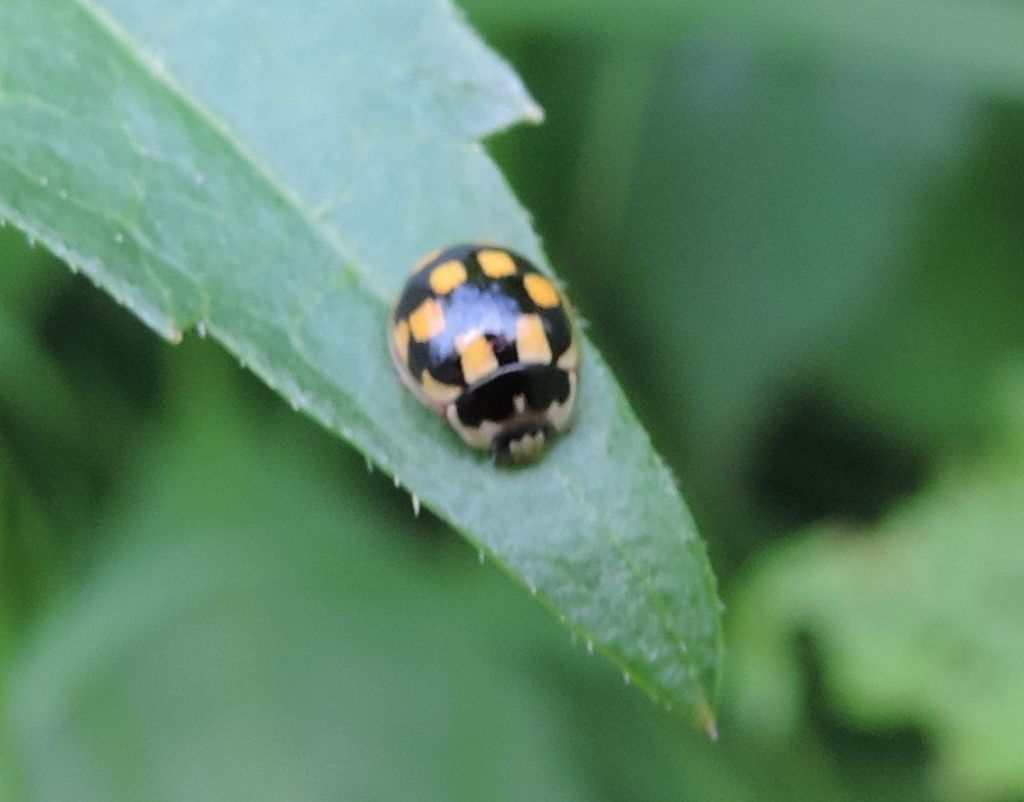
(269, 174)
(917, 623)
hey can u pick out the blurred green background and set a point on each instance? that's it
(799, 243)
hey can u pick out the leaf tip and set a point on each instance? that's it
(533, 112)
(706, 717)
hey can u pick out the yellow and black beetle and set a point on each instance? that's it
(484, 338)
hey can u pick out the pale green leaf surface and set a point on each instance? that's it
(272, 175)
(918, 623)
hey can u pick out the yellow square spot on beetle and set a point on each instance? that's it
(541, 290)
(447, 276)
(439, 392)
(478, 360)
(427, 320)
(401, 339)
(496, 264)
(531, 342)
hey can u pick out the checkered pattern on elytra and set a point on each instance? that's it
(491, 306)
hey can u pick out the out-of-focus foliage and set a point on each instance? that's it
(796, 230)
(976, 46)
(917, 622)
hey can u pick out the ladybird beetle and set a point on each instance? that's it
(488, 341)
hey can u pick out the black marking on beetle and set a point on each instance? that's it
(493, 398)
